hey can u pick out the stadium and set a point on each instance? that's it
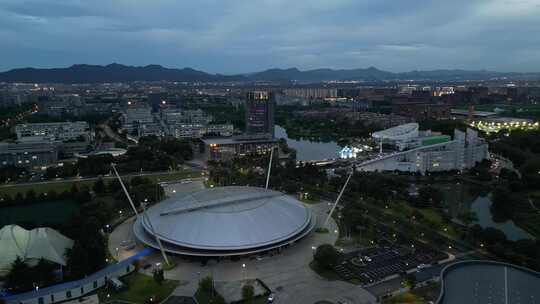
(225, 221)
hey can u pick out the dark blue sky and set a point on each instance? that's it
(231, 36)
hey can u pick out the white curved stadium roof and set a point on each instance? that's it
(37, 243)
(401, 132)
(226, 219)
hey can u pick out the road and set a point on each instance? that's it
(110, 133)
(80, 179)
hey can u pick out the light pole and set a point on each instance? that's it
(244, 270)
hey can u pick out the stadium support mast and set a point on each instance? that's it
(125, 190)
(269, 167)
(338, 198)
(144, 215)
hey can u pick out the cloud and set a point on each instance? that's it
(243, 36)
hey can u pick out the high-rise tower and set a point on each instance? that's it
(260, 107)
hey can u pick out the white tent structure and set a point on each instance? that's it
(29, 245)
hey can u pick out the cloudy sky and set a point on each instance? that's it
(231, 36)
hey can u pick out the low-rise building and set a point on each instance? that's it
(229, 148)
(421, 110)
(136, 116)
(53, 131)
(29, 154)
(199, 130)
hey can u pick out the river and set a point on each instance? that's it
(39, 213)
(481, 206)
(307, 150)
(462, 198)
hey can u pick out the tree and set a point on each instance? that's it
(99, 186)
(502, 208)
(31, 196)
(531, 173)
(44, 272)
(83, 195)
(326, 256)
(158, 276)
(428, 197)
(19, 278)
(248, 293)
(19, 198)
(114, 186)
(493, 236)
(88, 253)
(410, 280)
(206, 285)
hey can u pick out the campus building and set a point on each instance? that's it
(53, 131)
(135, 117)
(427, 151)
(192, 124)
(29, 154)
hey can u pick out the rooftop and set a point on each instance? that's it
(228, 218)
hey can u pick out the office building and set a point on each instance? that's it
(260, 107)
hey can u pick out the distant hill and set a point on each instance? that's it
(374, 74)
(83, 73)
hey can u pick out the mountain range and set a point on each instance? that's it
(84, 73)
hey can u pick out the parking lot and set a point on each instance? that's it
(372, 265)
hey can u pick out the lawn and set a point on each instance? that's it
(417, 296)
(406, 297)
(432, 217)
(205, 297)
(140, 289)
(58, 186)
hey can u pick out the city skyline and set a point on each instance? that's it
(239, 37)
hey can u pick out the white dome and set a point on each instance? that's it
(37, 243)
(236, 219)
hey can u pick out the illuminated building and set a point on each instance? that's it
(260, 113)
(428, 152)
